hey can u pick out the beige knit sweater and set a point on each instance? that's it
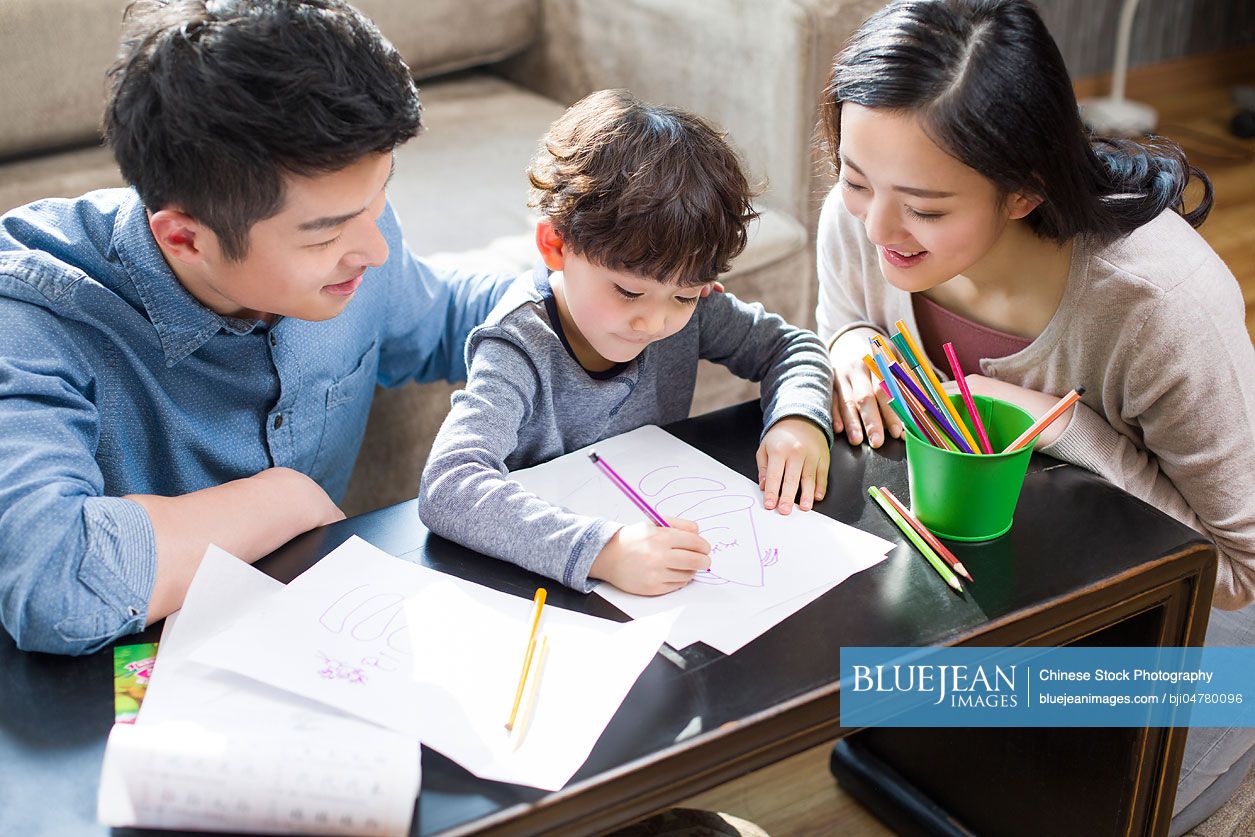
(1153, 326)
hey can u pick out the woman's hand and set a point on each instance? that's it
(858, 407)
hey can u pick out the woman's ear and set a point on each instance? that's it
(1020, 204)
(550, 245)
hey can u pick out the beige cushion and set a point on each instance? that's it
(439, 36)
(54, 55)
(53, 62)
(65, 175)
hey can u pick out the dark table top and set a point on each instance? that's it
(1072, 531)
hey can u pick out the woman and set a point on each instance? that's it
(973, 205)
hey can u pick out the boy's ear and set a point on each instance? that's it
(178, 235)
(550, 245)
(1020, 204)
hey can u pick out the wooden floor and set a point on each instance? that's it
(798, 796)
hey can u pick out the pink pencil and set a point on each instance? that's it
(621, 484)
(967, 398)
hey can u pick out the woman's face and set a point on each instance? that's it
(930, 217)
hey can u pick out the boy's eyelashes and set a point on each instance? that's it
(683, 300)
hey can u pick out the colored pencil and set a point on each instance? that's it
(923, 423)
(1061, 406)
(933, 411)
(887, 377)
(957, 370)
(533, 690)
(920, 377)
(938, 547)
(937, 564)
(538, 604)
(904, 415)
(621, 484)
(932, 376)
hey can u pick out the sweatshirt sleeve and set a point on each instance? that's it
(466, 494)
(842, 298)
(790, 362)
(1188, 387)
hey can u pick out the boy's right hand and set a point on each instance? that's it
(858, 406)
(650, 560)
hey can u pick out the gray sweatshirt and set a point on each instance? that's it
(527, 400)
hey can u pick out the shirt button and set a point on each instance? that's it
(273, 340)
(278, 421)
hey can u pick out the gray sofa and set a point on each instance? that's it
(493, 75)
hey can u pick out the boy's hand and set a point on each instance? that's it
(859, 407)
(650, 560)
(793, 453)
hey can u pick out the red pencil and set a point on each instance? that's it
(929, 537)
(967, 397)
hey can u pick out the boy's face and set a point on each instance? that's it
(305, 262)
(610, 316)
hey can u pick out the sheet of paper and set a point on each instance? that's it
(187, 775)
(760, 560)
(219, 751)
(469, 643)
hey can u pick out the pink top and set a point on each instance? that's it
(972, 341)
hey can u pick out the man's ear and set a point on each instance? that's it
(179, 235)
(550, 245)
(1020, 204)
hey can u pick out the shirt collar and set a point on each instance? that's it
(182, 323)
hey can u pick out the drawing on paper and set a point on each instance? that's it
(333, 669)
(725, 518)
(377, 620)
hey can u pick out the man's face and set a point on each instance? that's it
(305, 262)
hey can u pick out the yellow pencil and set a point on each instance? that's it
(538, 604)
(533, 689)
(932, 376)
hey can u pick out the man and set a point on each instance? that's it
(192, 359)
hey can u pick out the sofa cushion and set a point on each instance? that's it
(440, 36)
(53, 65)
(56, 53)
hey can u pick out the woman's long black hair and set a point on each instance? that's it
(991, 88)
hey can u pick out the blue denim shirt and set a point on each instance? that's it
(114, 380)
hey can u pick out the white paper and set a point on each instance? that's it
(761, 560)
(213, 750)
(186, 775)
(469, 644)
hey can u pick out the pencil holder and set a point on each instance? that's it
(964, 496)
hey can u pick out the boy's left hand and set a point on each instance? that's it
(794, 454)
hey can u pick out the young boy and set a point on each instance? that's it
(642, 208)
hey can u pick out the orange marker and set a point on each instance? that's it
(1027, 437)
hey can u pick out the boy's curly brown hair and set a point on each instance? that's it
(649, 190)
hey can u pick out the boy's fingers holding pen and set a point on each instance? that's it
(681, 524)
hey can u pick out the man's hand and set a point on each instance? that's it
(794, 454)
(650, 560)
